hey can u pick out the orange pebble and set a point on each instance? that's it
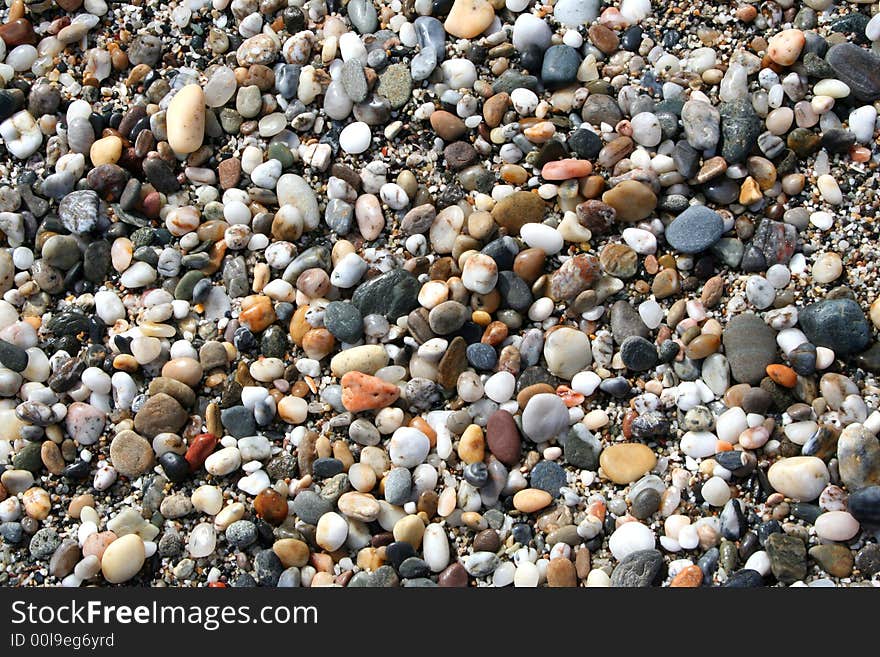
(569, 397)
(566, 169)
(363, 392)
(257, 312)
(420, 424)
(783, 375)
(723, 446)
(689, 577)
(299, 326)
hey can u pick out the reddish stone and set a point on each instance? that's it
(151, 204)
(200, 449)
(271, 506)
(453, 576)
(69, 5)
(690, 577)
(17, 33)
(362, 392)
(566, 169)
(574, 276)
(502, 437)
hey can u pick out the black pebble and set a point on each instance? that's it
(175, 466)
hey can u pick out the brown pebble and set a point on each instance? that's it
(632, 201)
(702, 346)
(78, 503)
(689, 577)
(561, 573)
(582, 563)
(529, 264)
(271, 506)
(447, 126)
(18, 32)
(604, 38)
(530, 391)
(50, 454)
(494, 109)
(502, 437)
(487, 541)
(453, 576)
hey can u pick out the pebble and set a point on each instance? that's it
(123, 559)
(185, 119)
(801, 478)
(626, 462)
(355, 138)
(131, 454)
(629, 538)
(333, 270)
(694, 230)
(858, 455)
(469, 18)
(838, 324)
(567, 352)
(750, 346)
(544, 417)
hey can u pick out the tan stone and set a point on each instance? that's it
(469, 18)
(625, 462)
(106, 150)
(530, 500)
(185, 119)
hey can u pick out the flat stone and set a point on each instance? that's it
(624, 463)
(858, 455)
(503, 437)
(695, 229)
(544, 417)
(131, 454)
(836, 560)
(750, 346)
(582, 449)
(514, 211)
(548, 476)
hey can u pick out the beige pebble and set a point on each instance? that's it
(827, 268)
(410, 529)
(530, 500)
(123, 558)
(37, 503)
(365, 358)
(186, 370)
(185, 119)
(106, 150)
(359, 506)
(625, 462)
(786, 46)
(469, 18)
